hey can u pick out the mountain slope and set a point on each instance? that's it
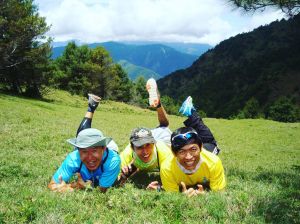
(159, 58)
(263, 64)
(187, 48)
(156, 57)
(134, 71)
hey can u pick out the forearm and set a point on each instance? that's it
(162, 117)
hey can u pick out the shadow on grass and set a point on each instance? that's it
(284, 205)
(34, 100)
(142, 179)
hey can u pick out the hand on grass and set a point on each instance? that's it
(81, 184)
(191, 191)
(154, 185)
(62, 186)
(127, 171)
(130, 169)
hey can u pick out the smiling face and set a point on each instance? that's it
(91, 157)
(144, 152)
(189, 155)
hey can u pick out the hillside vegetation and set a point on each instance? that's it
(188, 48)
(159, 58)
(258, 68)
(261, 158)
(135, 71)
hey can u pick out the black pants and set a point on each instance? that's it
(208, 140)
(85, 123)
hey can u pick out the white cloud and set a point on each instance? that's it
(205, 21)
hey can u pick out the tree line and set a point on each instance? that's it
(26, 66)
(251, 75)
(250, 84)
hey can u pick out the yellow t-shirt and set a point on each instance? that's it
(211, 171)
(163, 151)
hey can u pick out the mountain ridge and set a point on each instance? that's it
(159, 58)
(255, 65)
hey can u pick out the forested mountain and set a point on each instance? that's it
(159, 58)
(135, 71)
(187, 48)
(255, 68)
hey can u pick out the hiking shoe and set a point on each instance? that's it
(187, 107)
(93, 102)
(151, 87)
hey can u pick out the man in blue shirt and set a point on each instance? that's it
(96, 163)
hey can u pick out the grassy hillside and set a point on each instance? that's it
(261, 157)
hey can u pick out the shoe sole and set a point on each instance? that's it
(151, 87)
(94, 98)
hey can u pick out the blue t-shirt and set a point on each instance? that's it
(71, 165)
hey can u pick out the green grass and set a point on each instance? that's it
(261, 158)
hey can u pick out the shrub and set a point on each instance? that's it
(250, 110)
(284, 110)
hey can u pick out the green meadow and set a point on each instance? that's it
(261, 160)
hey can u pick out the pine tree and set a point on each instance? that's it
(24, 59)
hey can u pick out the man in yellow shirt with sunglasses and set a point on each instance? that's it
(192, 169)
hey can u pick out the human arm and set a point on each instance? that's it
(129, 170)
(126, 172)
(62, 186)
(127, 165)
(162, 116)
(68, 168)
(110, 173)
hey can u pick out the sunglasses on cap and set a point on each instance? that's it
(181, 139)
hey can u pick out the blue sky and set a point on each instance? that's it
(195, 21)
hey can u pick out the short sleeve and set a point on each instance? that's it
(126, 156)
(66, 170)
(111, 171)
(168, 181)
(217, 180)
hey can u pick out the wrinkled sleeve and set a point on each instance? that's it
(217, 180)
(168, 182)
(66, 170)
(126, 156)
(110, 174)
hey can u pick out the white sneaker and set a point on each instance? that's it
(151, 87)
